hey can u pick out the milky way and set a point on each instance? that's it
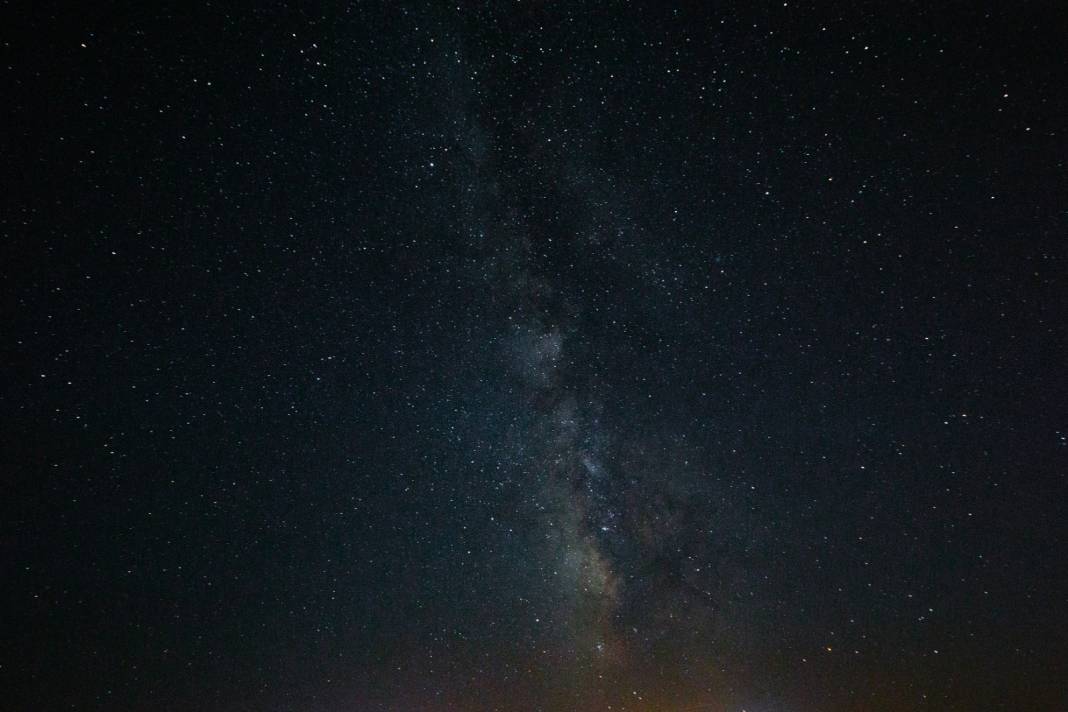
(614, 540)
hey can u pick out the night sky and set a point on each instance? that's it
(532, 356)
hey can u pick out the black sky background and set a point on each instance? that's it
(534, 356)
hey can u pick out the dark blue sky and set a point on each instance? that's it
(534, 356)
